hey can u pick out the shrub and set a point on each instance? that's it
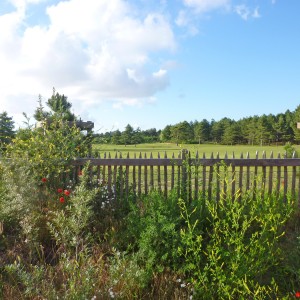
(46, 152)
(235, 253)
(152, 231)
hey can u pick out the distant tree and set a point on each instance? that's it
(127, 135)
(165, 135)
(201, 131)
(6, 129)
(232, 134)
(116, 137)
(296, 120)
(264, 130)
(218, 129)
(150, 135)
(249, 129)
(182, 133)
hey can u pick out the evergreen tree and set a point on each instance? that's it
(116, 137)
(6, 129)
(165, 135)
(201, 131)
(40, 114)
(182, 133)
(127, 135)
(60, 106)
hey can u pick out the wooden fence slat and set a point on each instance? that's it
(294, 175)
(109, 182)
(203, 178)
(193, 176)
(158, 176)
(173, 174)
(165, 179)
(210, 179)
(140, 177)
(285, 172)
(240, 180)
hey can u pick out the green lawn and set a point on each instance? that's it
(208, 149)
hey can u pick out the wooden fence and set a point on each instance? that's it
(192, 177)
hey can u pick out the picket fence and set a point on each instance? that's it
(191, 177)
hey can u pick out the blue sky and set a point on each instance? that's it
(151, 63)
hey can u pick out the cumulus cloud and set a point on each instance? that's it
(93, 51)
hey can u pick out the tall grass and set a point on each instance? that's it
(95, 247)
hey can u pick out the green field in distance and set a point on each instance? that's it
(208, 149)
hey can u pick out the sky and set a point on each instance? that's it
(150, 63)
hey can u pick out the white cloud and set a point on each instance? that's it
(187, 17)
(184, 19)
(202, 6)
(92, 51)
(256, 13)
(245, 12)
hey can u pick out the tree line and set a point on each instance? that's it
(255, 130)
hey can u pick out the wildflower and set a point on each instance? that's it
(61, 199)
(67, 193)
(44, 179)
(297, 294)
(59, 190)
(79, 173)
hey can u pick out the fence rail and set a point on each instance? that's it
(192, 177)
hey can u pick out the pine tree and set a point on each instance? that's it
(6, 129)
(40, 114)
(60, 106)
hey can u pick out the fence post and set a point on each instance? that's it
(184, 175)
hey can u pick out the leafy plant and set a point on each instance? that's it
(152, 231)
(234, 255)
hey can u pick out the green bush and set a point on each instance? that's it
(236, 253)
(46, 152)
(152, 231)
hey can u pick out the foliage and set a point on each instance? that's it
(234, 254)
(6, 129)
(60, 108)
(63, 239)
(290, 150)
(253, 130)
(47, 151)
(152, 228)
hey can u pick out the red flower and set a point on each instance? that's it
(61, 199)
(80, 173)
(44, 179)
(59, 190)
(297, 294)
(67, 193)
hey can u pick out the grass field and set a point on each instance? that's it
(208, 149)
